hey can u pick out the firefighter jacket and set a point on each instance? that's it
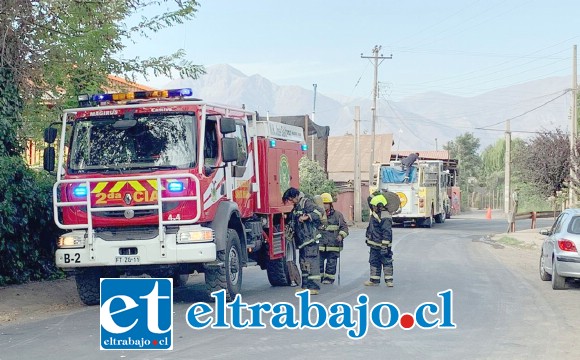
(330, 231)
(379, 232)
(305, 232)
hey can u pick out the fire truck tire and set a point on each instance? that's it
(440, 218)
(88, 286)
(180, 280)
(428, 221)
(278, 271)
(228, 276)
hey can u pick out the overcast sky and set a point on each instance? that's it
(460, 47)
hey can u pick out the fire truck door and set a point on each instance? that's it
(229, 179)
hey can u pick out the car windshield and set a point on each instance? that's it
(164, 141)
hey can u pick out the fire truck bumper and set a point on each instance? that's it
(136, 252)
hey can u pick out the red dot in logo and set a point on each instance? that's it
(407, 321)
(154, 342)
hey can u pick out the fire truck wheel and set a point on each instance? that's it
(180, 280)
(228, 276)
(278, 271)
(88, 286)
(440, 218)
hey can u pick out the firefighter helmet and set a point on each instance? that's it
(378, 200)
(326, 198)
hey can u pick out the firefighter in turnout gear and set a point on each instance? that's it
(305, 220)
(330, 246)
(379, 238)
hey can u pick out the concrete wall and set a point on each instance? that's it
(345, 202)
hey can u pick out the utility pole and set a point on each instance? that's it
(507, 179)
(436, 148)
(357, 182)
(313, 114)
(376, 59)
(306, 132)
(572, 197)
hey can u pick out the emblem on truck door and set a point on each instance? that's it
(128, 198)
(284, 174)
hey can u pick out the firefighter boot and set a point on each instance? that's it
(371, 283)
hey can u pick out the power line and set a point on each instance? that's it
(516, 131)
(527, 112)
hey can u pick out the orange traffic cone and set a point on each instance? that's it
(488, 215)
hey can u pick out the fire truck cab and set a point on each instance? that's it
(159, 183)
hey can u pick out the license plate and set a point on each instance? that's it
(126, 260)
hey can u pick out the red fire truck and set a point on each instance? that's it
(159, 183)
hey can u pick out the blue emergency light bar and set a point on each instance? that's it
(136, 95)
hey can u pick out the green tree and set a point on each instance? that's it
(493, 177)
(63, 48)
(465, 149)
(313, 180)
(10, 113)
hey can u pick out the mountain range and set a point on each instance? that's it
(424, 121)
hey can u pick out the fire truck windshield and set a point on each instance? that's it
(153, 141)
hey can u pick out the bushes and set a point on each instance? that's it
(27, 229)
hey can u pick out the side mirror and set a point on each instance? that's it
(49, 135)
(207, 170)
(227, 125)
(546, 232)
(49, 156)
(229, 149)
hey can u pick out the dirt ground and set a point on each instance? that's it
(37, 300)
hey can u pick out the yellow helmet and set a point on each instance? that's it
(378, 200)
(326, 198)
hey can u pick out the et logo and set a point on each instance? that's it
(136, 314)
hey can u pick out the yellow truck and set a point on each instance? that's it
(424, 195)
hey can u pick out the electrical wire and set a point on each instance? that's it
(526, 112)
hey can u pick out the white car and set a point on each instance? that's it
(560, 258)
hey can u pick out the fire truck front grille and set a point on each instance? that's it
(120, 214)
(133, 233)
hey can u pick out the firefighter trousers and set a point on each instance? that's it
(381, 259)
(310, 266)
(328, 272)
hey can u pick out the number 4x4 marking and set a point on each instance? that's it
(172, 218)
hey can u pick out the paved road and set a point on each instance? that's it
(499, 312)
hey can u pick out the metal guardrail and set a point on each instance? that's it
(533, 215)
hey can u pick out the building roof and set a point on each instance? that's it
(341, 155)
(119, 84)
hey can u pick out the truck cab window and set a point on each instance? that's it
(210, 149)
